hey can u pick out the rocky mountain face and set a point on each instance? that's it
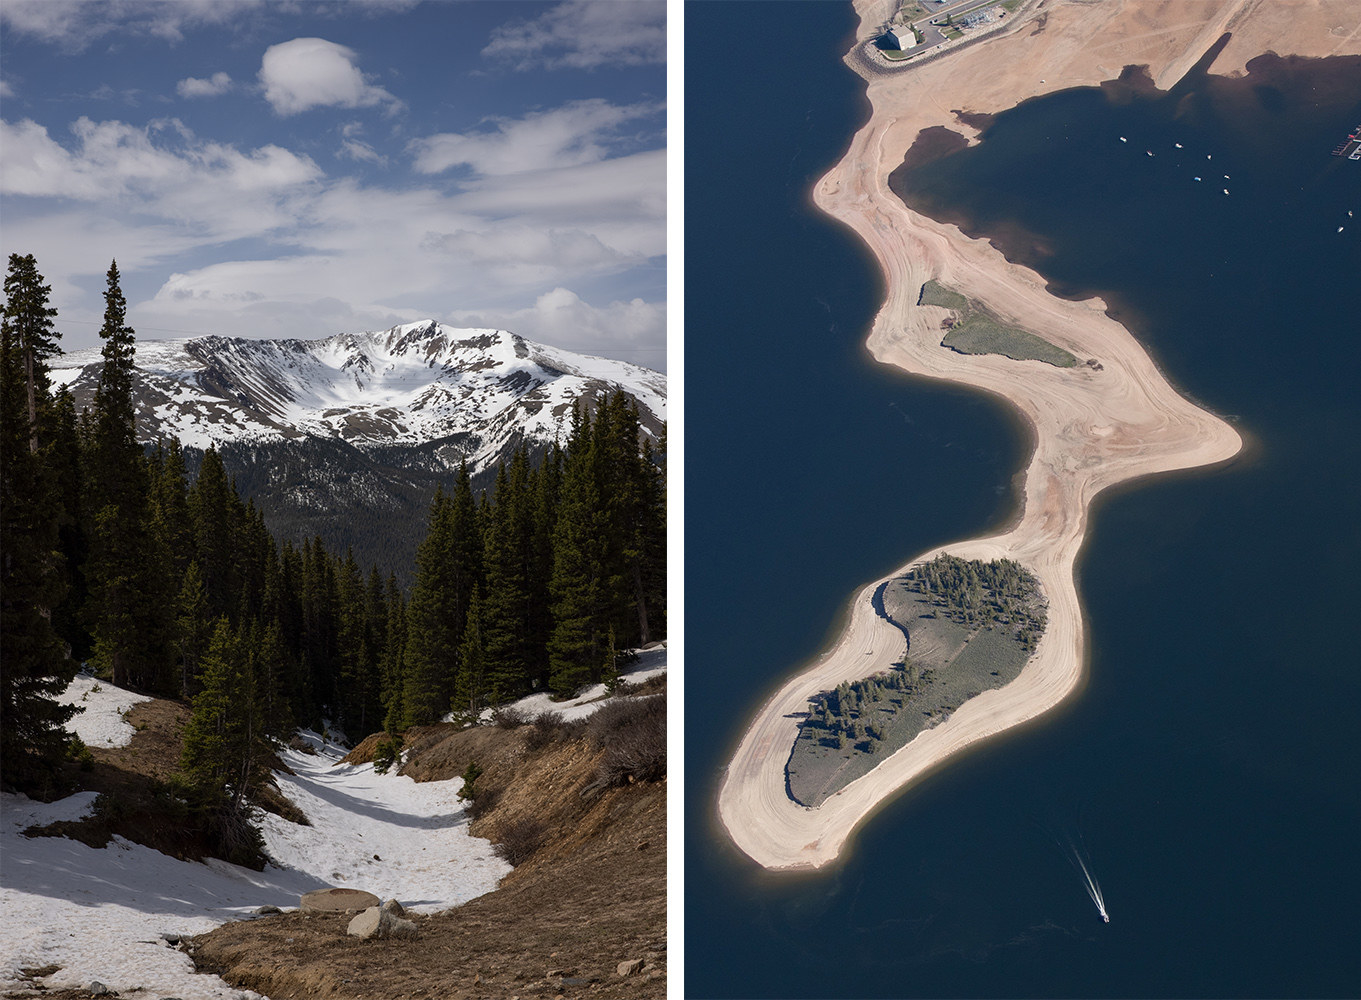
(348, 436)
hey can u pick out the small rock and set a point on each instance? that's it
(630, 967)
(375, 922)
(264, 911)
(393, 907)
(99, 989)
(555, 973)
(643, 845)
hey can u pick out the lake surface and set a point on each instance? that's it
(1210, 766)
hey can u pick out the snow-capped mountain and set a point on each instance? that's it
(413, 384)
(348, 436)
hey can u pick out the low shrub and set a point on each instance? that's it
(507, 717)
(632, 731)
(482, 803)
(546, 729)
(385, 754)
(519, 840)
(470, 775)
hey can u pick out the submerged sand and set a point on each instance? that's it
(1093, 427)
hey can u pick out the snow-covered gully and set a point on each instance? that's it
(101, 915)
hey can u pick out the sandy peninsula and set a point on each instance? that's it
(1093, 427)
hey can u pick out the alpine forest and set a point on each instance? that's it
(117, 561)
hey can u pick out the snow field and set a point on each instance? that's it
(386, 834)
(102, 723)
(650, 663)
(100, 914)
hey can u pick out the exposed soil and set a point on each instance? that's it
(591, 895)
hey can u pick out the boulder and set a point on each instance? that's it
(334, 900)
(376, 922)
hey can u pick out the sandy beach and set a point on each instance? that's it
(1093, 427)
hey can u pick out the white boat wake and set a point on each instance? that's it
(1093, 887)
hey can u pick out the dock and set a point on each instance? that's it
(1350, 147)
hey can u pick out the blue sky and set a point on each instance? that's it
(298, 169)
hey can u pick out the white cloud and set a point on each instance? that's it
(313, 73)
(631, 331)
(359, 150)
(518, 245)
(260, 243)
(218, 83)
(584, 34)
(5, 89)
(113, 158)
(74, 24)
(624, 199)
(576, 133)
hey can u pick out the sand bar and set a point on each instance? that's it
(1093, 428)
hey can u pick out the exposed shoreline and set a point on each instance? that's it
(1092, 428)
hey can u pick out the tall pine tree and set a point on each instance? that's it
(36, 667)
(128, 583)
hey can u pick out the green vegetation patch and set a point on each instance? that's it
(985, 335)
(936, 294)
(975, 330)
(970, 626)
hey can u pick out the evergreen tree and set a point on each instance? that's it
(192, 627)
(448, 567)
(473, 691)
(210, 508)
(506, 610)
(64, 463)
(36, 667)
(128, 584)
(576, 586)
(358, 675)
(430, 658)
(28, 320)
(319, 606)
(225, 756)
(393, 659)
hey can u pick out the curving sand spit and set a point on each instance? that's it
(1093, 428)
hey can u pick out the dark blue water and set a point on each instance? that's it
(1210, 764)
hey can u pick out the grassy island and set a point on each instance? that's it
(969, 625)
(974, 330)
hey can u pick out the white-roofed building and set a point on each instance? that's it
(899, 36)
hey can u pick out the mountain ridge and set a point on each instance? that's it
(349, 436)
(410, 384)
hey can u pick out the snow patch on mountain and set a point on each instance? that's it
(414, 383)
(101, 721)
